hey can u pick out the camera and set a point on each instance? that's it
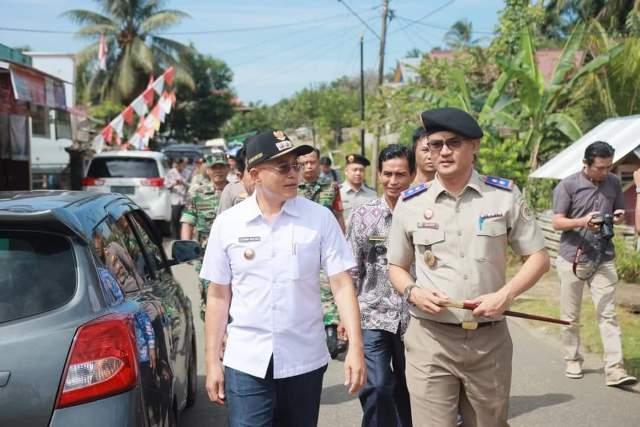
(605, 223)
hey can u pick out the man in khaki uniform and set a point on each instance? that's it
(457, 229)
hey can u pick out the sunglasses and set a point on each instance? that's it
(285, 168)
(435, 145)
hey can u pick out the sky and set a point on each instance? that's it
(277, 47)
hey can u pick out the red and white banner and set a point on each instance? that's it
(148, 123)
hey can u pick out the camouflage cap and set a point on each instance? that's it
(216, 158)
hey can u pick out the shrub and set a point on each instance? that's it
(627, 261)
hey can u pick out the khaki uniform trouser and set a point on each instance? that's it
(450, 369)
(602, 287)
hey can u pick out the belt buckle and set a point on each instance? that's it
(470, 326)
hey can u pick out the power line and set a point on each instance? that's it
(185, 33)
(353, 12)
(439, 27)
(264, 27)
(433, 12)
(34, 30)
(304, 43)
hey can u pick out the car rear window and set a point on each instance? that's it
(38, 273)
(123, 167)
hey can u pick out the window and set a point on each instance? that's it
(123, 167)
(154, 251)
(63, 124)
(39, 121)
(38, 273)
(122, 228)
(111, 250)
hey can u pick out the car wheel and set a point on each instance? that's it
(192, 377)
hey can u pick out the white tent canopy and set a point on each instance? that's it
(623, 133)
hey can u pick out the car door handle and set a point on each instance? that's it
(4, 378)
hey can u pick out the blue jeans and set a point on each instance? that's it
(267, 402)
(384, 398)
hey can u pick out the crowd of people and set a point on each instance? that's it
(291, 253)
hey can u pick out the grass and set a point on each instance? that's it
(590, 334)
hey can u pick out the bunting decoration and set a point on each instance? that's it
(150, 117)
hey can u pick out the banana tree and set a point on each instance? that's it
(541, 106)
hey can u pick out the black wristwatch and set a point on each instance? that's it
(407, 292)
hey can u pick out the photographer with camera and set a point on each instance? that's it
(586, 205)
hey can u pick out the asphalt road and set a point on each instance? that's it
(541, 396)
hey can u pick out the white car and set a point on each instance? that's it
(140, 175)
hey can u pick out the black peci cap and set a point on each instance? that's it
(271, 145)
(452, 120)
(357, 158)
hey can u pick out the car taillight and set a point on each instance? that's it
(102, 361)
(90, 182)
(153, 182)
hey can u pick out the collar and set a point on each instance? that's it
(349, 189)
(436, 189)
(291, 207)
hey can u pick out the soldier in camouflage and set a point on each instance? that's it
(326, 193)
(202, 208)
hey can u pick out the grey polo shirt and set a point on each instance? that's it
(576, 196)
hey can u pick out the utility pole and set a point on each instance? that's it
(362, 96)
(383, 39)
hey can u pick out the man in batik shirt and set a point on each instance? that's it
(384, 313)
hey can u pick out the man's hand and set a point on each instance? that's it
(618, 216)
(215, 382)
(342, 332)
(355, 370)
(427, 300)
(586, 221)
(490, 305)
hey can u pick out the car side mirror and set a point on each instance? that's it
(185, 250)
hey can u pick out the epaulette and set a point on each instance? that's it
(414, 191)
(502, 183)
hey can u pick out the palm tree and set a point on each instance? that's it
(135, 49)
(460, 35)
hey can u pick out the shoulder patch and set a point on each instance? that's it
(414, 191)
(502, 183)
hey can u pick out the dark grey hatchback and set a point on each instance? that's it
(94, 329)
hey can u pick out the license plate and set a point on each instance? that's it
(123, 189)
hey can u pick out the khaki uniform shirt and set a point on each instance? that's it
(352, 199)
(460, 245)
(232, 194)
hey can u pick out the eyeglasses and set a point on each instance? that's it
(285, 168)
(435, 145)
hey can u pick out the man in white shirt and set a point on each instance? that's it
(267, 251)
(353, 191)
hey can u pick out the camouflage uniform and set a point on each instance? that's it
(200, 211)
(326, 193)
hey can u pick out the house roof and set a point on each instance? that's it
(623, 133)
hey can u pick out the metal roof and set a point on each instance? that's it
(623, 133)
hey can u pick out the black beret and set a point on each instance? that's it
(357, 158)
(271, 145)
(452, 120)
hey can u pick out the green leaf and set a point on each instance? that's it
(567, 60)
(564, 124)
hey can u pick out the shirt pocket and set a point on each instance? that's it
(490, 242)
(429, 240)
(305, 261)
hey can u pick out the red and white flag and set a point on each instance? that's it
(102, 53)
